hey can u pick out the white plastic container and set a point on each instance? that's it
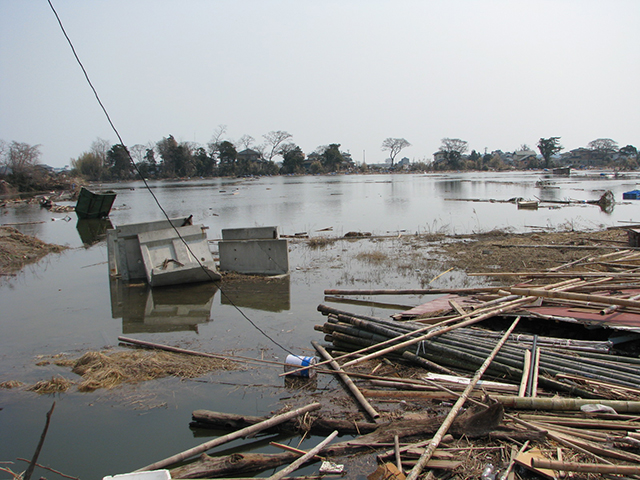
(295, 362)
(150, 475)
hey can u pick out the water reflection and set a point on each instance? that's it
(449, 187)
(166, 309)
(93, 230)
(272, 294)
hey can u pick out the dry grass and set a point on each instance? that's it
(17, 249)
(320, 242)
(11, 384)
(110, 369)
(55, 385)
(375, 257)
(498, 251)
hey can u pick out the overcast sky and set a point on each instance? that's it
(497, 74)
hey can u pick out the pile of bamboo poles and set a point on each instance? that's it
(561, 368)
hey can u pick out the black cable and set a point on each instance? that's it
(113, 127)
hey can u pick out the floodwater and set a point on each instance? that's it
(67, 304)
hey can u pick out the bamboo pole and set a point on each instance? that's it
(559, 404)
(612, 308)
(293, 449)
(347, 381)
(418, 291)
(488, 313)
(168, 348)
(300, 461)
(536, 372)
(585, 467)
(491, 313)
(525, 373)
(438, 276)
(244, 432)
(535, 292)
(396, 448)
(435, 441)
(593, 423)
(554, 274)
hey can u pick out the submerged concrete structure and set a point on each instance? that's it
(254, 251)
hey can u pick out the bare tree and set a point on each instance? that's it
(246, 141)
(216, 139)
(274, 139)
(137, 152)
(603, 145)
(394, 146)
(21, 157)
(100, 147)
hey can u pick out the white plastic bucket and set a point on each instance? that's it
(294, 362)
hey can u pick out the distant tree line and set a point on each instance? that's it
(168, 158)
(602, 152)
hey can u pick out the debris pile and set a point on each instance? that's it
(445, 390)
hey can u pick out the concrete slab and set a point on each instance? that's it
(168, 261)
(123, 247)
(251, 233)
(255, 257)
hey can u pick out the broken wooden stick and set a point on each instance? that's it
(585, 467)
(435, 441)
(34, 460)
(300, 461)
(347, 381)
(231, 436)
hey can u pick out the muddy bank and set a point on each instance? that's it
(503, 252)
(18, 250)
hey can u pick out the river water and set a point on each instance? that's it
(67, 304)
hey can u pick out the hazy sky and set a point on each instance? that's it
(497, 74)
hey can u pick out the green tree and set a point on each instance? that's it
(119, 162)
(604, 149)
(475, 160)
(548, 148)
(227, 156)
(88, 165)
(394, 146)
(332, 158)
(293, 157)
(177, 159)
(167, 151)
(205, 164)
(148, 167)
(454, 148)
(629, 151)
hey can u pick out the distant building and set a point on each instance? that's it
(520, 156)
(581, 156)
(439, 157)
(249, 155)
(404, 162)
(524, 158)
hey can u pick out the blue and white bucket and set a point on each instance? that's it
(295, 362)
